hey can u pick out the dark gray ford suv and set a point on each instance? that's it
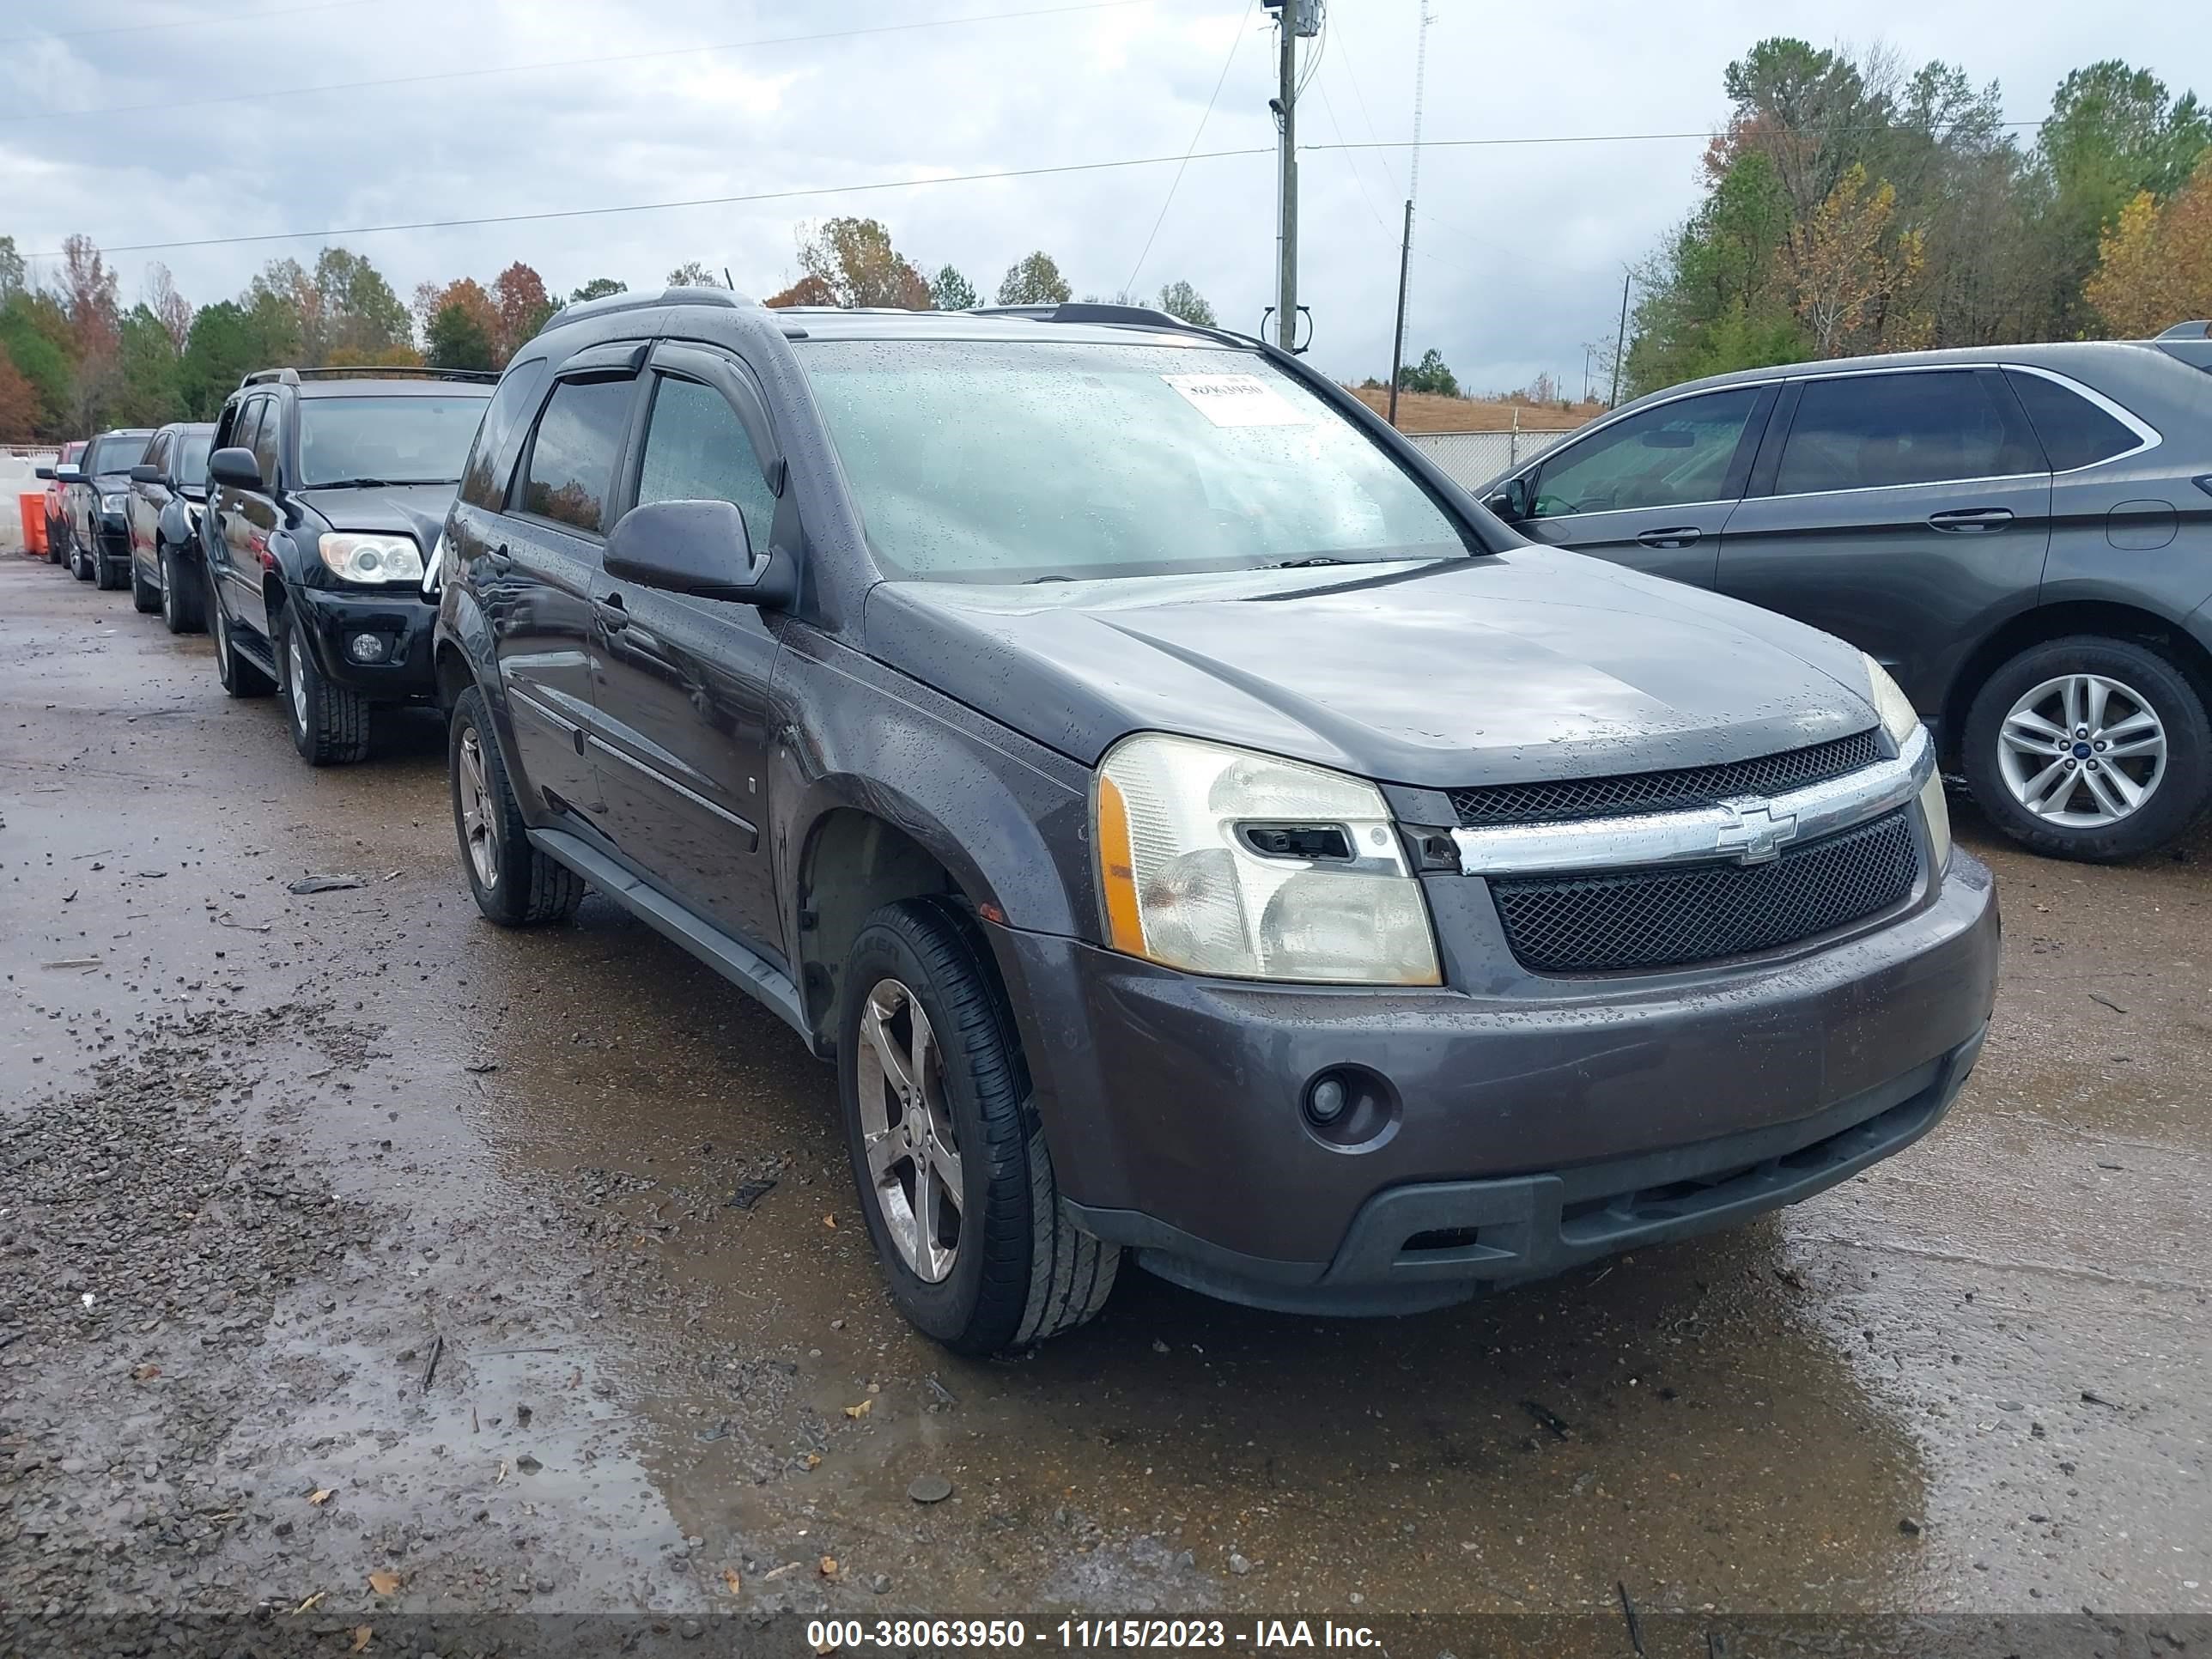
(1193, 826)
(2022, 535)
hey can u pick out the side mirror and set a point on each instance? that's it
(1510, 501)
(142, 473)
(699, 548)
(236, 467)
(45, 473)
(69, 473)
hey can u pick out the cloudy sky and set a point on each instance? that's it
(156, 121)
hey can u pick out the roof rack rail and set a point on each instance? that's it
(367, 372)
(607, 304)
(1087, 311)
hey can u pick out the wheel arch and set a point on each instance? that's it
(2109, 619)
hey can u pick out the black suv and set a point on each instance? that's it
(95, 494)
(1193, 826)
(2021, 534)
(168, 492)
(326, 489)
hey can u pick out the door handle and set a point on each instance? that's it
(1680, 538)
(613, 614)
(498, 561)
(1972, 521)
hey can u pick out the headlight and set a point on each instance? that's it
(111, 503)
(1899, 719)
(1218, 860)
(354, 557)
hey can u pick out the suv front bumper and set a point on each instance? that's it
(1532, 1132)
(399, 619)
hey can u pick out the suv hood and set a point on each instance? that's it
(416, 510)
(1529, 664)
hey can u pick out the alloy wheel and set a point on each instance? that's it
(906, 1124)
(295, 677)
(2083, 750)
(477, 812)
(168, 590)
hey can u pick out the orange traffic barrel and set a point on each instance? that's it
(34, 522)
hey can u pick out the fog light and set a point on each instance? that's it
(365, 647)
(1326, 1100)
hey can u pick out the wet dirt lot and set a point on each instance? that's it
(343, 1234)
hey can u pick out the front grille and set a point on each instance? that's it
(1663, 792)
(1668, 918)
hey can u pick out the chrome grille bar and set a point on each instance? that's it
(1745, 831)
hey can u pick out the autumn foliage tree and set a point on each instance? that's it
(2154, 263)
(519, 295)
(1850, 271)
(20, 411)
(808, 290)
(854, 261)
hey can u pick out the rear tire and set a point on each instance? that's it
(105, 576)
(330, 723)
(57, 542)
(2139, 689)
(512, 883)
(144, 600)
(240, 677)
(1019, 1270)
(182, 611)
(78, 566)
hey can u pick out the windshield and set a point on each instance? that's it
(391, 440)
(116, 454)
(189, 467)
(1012, 461)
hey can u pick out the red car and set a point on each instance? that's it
(58, 520)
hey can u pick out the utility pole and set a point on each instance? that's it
(1398, 336)
(1286, 254)
(1620, 341)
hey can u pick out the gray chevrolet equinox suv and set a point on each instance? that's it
(1198, 831)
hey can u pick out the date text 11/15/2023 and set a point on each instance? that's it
(1256, 1635)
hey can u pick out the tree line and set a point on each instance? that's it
(1852, 205)
(73, 361)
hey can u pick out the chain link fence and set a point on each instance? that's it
(1473, 458)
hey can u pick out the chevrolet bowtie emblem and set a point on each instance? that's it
(1754, 833)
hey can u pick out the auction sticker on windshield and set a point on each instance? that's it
(1236, 400)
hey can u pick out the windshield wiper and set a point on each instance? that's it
(1308, 564)
(378, 483)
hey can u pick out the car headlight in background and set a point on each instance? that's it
(1218, 860)
(353, 556)
(111, 503)
(1901, 720)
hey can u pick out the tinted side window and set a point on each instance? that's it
(1870, 431)
(265, 444)
(572, 459)
(244, 436)
(157, 453)
(506, 422)
(1669, 456)
(2074, 430)
(696, 449)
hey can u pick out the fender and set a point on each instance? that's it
(174, 528)
(996, 810)
(462, 626)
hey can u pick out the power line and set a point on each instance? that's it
(289, 93)
(1329, 109)
(1235, 41)
(892, 184)
(664, 207)
(215, 22)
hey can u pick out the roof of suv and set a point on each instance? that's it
(382, 382)
(2065, 355)
(1080, 322)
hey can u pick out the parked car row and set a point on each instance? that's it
(1200, 833)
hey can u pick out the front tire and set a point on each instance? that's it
(954, 1182)
(145, 599)
(2090, 748)
(330, 723)
(182, 611)
(105, 576)
(80, 567)
(240, 677)
(512, 883)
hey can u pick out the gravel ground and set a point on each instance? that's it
(364, 1267)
